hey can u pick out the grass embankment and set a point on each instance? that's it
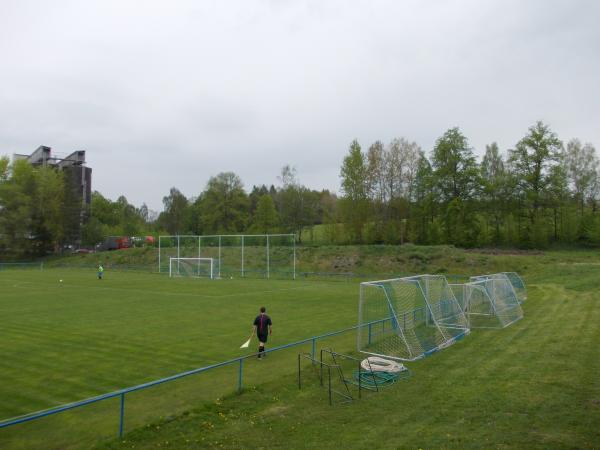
(141, 258)
(367, 260)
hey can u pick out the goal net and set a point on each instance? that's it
(192, 267)
(490, 301)
(515, 280)
(408, 318)
(257, 256)
(518, 285)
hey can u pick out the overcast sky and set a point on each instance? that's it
(169, 93)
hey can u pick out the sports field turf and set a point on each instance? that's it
(532, 385)
(63, 342)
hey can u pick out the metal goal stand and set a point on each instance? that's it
(324, 368)
(332, 367)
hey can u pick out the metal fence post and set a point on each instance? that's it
(178, 255)
(240, 375)
(329, 385)
(122, 416)
(370, 333)
(268, 259)
(359, 380)
(299, 382)
(314, 342)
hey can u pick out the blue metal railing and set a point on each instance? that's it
(122, 392)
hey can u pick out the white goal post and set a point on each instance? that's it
(238, 255)
(192, 267)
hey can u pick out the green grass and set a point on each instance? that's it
(83, 337)
(532, 385)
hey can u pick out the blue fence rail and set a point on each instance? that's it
(121, 394)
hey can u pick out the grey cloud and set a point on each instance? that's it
(168, 94)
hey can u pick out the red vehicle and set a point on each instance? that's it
(123, 242)
(117, 242)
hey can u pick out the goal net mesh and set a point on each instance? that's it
(192, 267)
(490, 301)
(257, 256)
(408, 318)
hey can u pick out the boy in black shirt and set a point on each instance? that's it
(263, 327)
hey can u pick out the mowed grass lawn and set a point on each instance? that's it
(535, 384)
(532, 385)
(63, 342)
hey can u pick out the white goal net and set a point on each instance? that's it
(408, 318)
(255, 256)
(491, 301)
(192, 267)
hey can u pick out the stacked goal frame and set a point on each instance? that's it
(239, 255)
(415, 316)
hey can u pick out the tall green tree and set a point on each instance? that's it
(581, 164)
(16, 209)
(532, 159)
(457, 180)
(355, 204)
(298, 205)
(265, 218)
(496, 192)
(224, 204)
(176, 214)
(555, 198)
(425, 199)
(49, 205)
(4, 165)
(455, 167)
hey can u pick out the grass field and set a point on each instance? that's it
(532, 385)
(83, 337)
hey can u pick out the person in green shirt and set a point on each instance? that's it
(100, 271)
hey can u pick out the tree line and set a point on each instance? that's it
(538, 193)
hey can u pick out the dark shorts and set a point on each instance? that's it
(262, 338)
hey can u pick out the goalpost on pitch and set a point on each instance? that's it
(239, 255)
(192, 267)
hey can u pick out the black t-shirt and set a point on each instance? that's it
(262, 323)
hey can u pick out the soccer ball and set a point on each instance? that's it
(60, 281)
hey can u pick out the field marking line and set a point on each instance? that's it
(177, 294)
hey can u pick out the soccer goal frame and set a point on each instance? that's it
(243, 255)
(491, 301)
(199, 261)
(408, 318)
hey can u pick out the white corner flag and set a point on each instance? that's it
(246, 344)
